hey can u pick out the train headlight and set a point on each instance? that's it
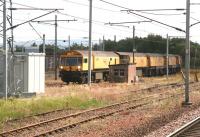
(61, 67)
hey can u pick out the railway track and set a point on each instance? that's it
(192, 129)
(70, 126)
(79, 118)
(70, 117)
(149, 89)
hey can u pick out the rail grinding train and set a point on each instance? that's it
(74, 64)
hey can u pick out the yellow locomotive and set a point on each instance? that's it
(74, 64)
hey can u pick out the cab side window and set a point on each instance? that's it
(85, 60)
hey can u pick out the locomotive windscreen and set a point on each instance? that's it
(71, 61)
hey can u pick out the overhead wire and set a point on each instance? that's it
(194, 19)
(35, 30)
(97, 22)
(176, 9)
(132, 12)
(66, 14)
(86, 5)
(26, 42)
(100, 23)
(164, 14)
(75, 29)
(31, 20)
(119, 6)
(159, 22)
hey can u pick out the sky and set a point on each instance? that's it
(102, 13)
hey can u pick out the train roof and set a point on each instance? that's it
(130, 54)
(142, 54)
(84, 53)
(95, 53)
(104, 53)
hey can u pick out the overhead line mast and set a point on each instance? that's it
(90, 44)
(187, 55)
(56, 31)
(5, 48)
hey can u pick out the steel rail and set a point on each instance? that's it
(187, 128)
(69, 126)
(77, 114)
(129, 92)
(17, 130)
(73, 125)
(62, 128)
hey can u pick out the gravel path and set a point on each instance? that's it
(176, 124)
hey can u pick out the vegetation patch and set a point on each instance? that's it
(19, 108)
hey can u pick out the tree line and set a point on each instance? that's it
(150, 44)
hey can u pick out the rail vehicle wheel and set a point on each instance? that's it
(93, 78)
(64, 79)
(84, 80)
(98, 81)
(105, 77)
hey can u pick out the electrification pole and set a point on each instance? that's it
(11, 24)
(195, 57)
(103, 45)
(55, 48)
(5, 48)
(167, 58)
(100, 49)
(69, 41)
(90, 44)
(44, 43)
(134, 48)
(187, 56)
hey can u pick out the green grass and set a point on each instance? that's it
(19, 108)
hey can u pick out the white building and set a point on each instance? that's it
(26, 74)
